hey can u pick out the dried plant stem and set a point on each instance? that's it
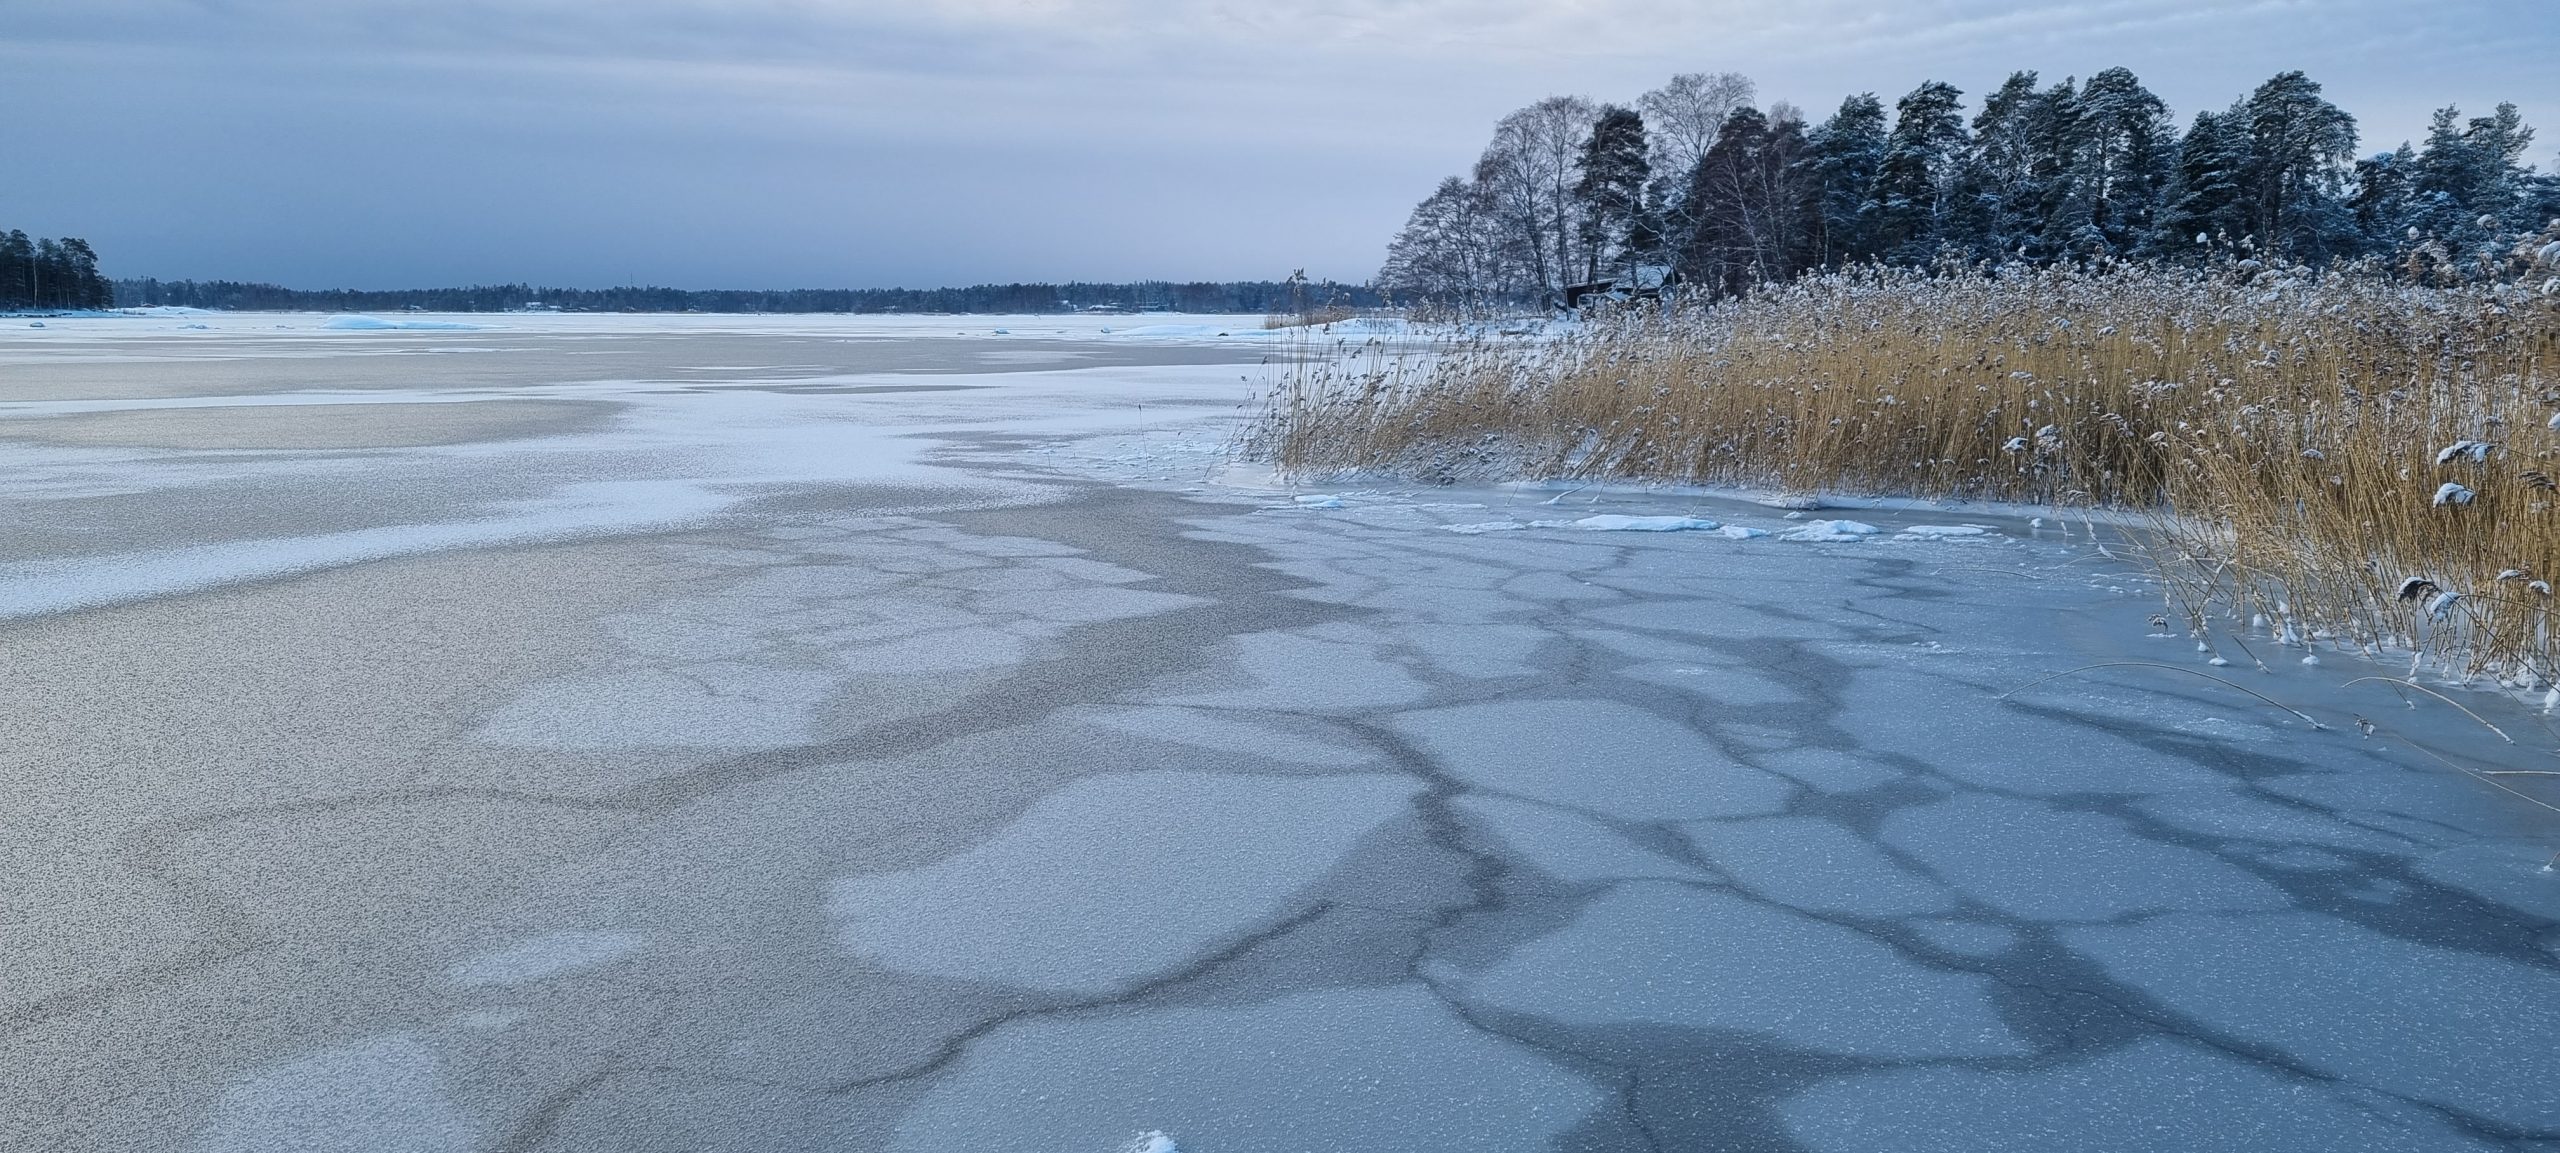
(2288, 434)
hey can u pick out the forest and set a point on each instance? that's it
(1249, 296)
(1697, 182)
(48, 274)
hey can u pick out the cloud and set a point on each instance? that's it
(845, 142)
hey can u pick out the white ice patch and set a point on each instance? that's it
(1350, 1069)
(1153, 1141)
(1737, 532)
(1822, 531)
(1113, 879)
(378, 324)
(709, 705)
(547, 955)
(1613, 522)
(1943, 531)
(1319, 500)
(1480, 527)
(37, 587)
(1599, 756)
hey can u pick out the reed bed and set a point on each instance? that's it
(2334, 455)
(1317, 317)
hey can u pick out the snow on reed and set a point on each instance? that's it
(2308, 439)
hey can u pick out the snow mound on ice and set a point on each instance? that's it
(1610, 522)
(1152, 1141)
(1943, 531)
(378, 324)
(1831, 530)
(1613, 522)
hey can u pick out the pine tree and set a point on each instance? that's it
(2123, 160)
(1754, 206)
(2300, 149)
(2210, 199)
(2384, 201)
(2500, 141)
(1843, 156)
(1617, 231)
(1997, 208)
(82, 285)
(17, 270)
(1916, 174)
(2466, 192)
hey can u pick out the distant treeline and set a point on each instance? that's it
(1697, 179)
(1264, 296)
(49, 274)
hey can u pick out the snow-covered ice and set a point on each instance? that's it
(874, 733)
(404, 324)
(1617, 522)
(1820, 531)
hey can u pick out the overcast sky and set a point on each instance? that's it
(768, 143)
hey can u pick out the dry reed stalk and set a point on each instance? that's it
(1317, 317)
(2293, 431)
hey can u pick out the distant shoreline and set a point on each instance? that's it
(1019, 299)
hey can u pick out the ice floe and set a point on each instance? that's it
(1821, 531)
(1613, 522)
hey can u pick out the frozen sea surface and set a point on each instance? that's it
(757, 733)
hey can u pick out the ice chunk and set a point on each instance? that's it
(1613, 522)
(1114, 879)
(1831, 530)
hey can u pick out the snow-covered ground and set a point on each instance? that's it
(579, 732)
